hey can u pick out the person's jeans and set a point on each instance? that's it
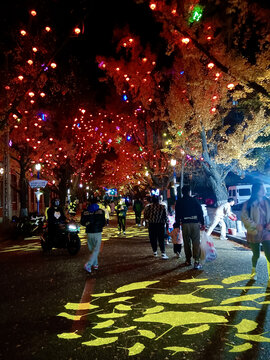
(122, 223)
(191, 234)
(138, 217)
(156, 235)
(94, 242)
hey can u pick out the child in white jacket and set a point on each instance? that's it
(177, 239)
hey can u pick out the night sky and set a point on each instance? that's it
(97, 18)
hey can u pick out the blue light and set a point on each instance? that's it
(182, 72)
(78, 125)
(124, 97)
(128, 138)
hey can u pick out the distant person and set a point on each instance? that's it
(155, 216)
(93, 218)
(138, 208)
(221, 212)
(177, 239)
(112, 206)
(256, 218)
(188, 212)
(121, 211)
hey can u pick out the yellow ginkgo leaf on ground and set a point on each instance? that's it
(104, 324)
(69, 316)
(135, 349)
(71, 335)
(236, 278)
(245, 287)
(135, 286)
(154, 310)
(193, 280)
(197, 330)
(122, 307)
(121, 330)
(102, 294)
(256, 338)
(246, 325)
(241, 348)
(111, 315)
(180, 299)
(264, 302)
(210, 286)
(177, 349)
(120, 299)
(101, 341)
(230, 308)
(147, 333)
(80, 306)
(250, 297)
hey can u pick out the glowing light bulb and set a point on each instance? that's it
(23, 32)
(230, 86)
(30, 62)
(185, 40)
(31, 94)
(42, 94)
(34, 49)
(210, 65)
(213, 109)
(20, 77)
(153, 6)
(144, 59)
(33, 13)
(77, 31)
(48, 29)
(53, 65)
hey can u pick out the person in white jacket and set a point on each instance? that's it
(221, 212)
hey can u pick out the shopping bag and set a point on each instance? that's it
(208, 251)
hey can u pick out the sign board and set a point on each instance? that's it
(38, 183)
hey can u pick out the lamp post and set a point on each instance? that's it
(173, 163)
(38, 193)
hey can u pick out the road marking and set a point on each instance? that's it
(79, 326)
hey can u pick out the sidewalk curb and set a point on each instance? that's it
(234, 238)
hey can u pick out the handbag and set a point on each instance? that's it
(208, 250)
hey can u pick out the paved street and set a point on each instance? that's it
(135, 306)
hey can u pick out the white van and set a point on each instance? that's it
(241, 192)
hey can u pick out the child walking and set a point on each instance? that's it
(177, 239)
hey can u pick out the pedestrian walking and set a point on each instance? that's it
(155, 216)
(177, 239)
(112, 206)
(256, 218)
(138, 208)
(121, 211)
(188, 212)
(221, 212)
(94, 220)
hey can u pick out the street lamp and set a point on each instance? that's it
(38, 168)
(173, 163)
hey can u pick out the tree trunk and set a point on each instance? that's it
(23, 190)
(214, 172)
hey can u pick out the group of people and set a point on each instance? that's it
(184, 231)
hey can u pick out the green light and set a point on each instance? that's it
(140, 148)
(179, 133)
(196, 14)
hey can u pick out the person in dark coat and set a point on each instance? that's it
(93, 218)
(188, 212)
(56, 217)
(138, 208)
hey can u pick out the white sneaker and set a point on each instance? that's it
(223, 238)
(155, 253)
(139, 225)
(164, 256)
(124, 233)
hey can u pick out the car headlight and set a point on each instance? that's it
(72, 227)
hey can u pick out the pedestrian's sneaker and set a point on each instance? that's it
(164, 256)
(87, 268)
(124, 233)
(155, 253)
(95, 267)
(223, 238)
(139, 225)
(197, 265)
(178, 255)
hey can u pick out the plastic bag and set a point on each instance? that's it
(208, 251)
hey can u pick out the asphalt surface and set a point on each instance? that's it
(135, 306)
